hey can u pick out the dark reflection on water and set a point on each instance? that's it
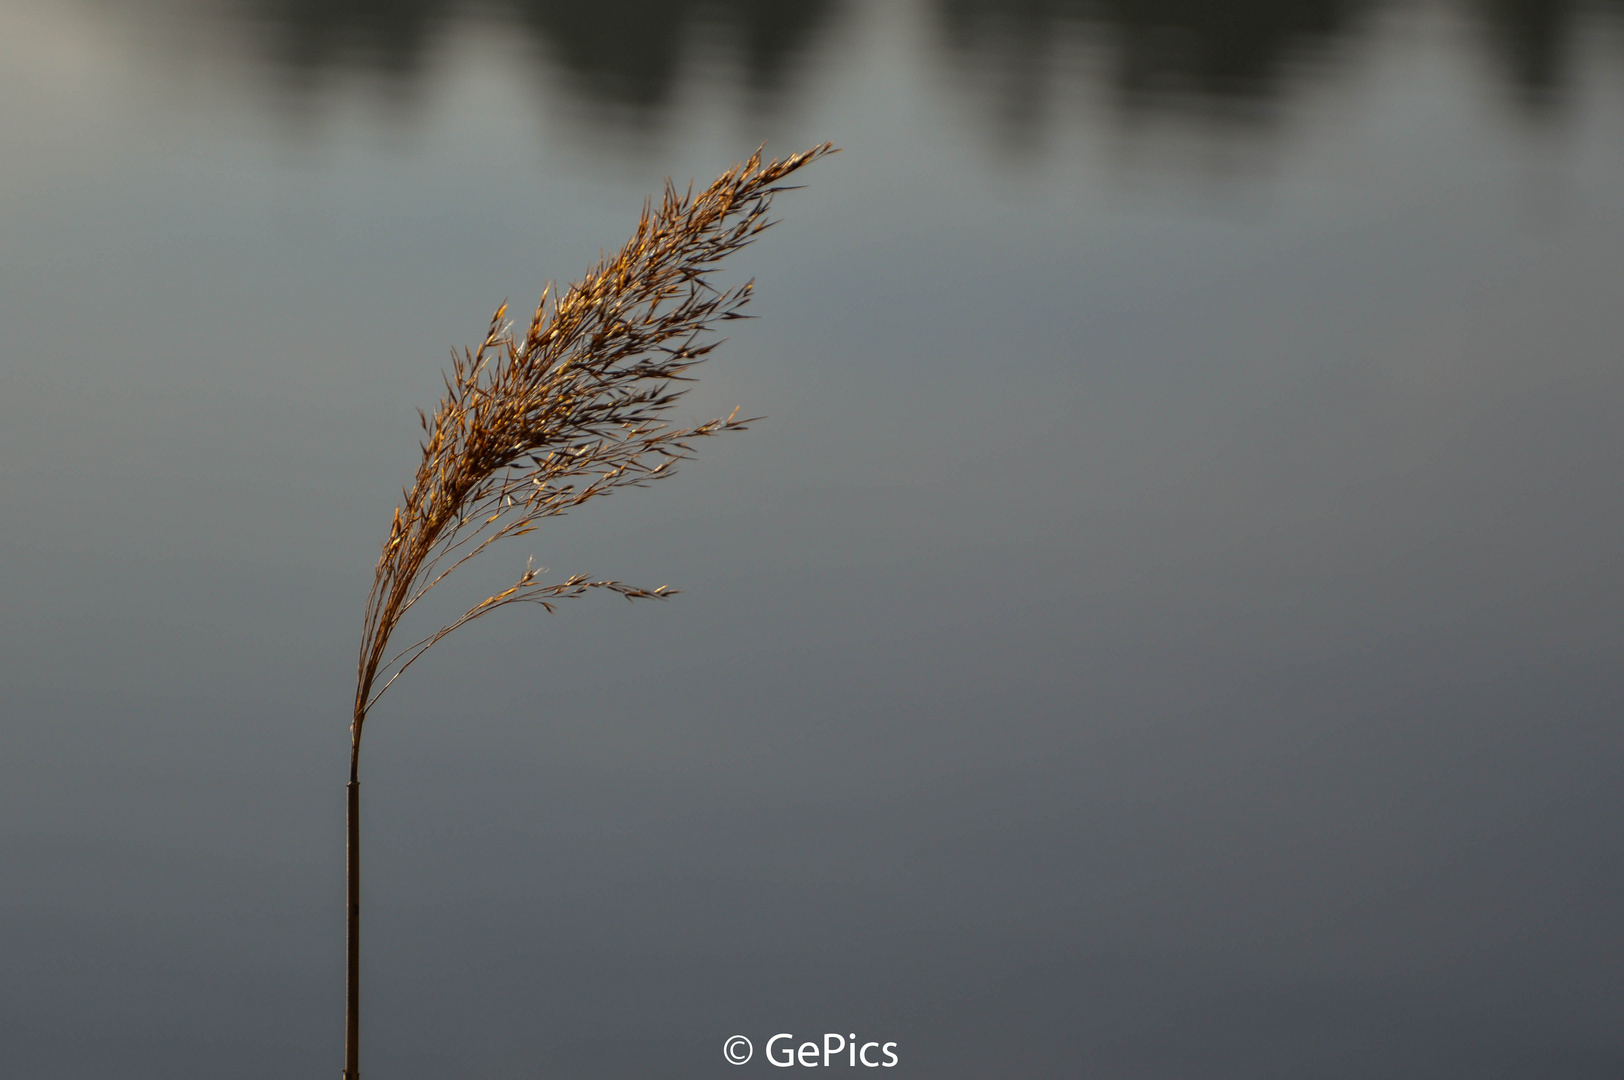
(1536, 42)
(627, 57)
(629, 54)
(308, 39)
(1233, 60)
(1236, 56)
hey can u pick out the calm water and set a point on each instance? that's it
(1168, 624)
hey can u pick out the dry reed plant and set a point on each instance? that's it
(533, 427)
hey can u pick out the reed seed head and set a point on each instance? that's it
(531, 427)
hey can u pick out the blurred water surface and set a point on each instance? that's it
(1167, 624)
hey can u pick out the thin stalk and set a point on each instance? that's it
(352, 981)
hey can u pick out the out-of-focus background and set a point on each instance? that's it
(1168, 624)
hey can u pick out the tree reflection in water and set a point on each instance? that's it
(625, 58)
(622, 57)
(1535, 42)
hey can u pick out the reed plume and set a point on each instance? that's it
(533, 427)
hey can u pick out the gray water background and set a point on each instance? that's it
(1167, 624)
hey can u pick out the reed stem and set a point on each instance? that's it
(352, 981)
